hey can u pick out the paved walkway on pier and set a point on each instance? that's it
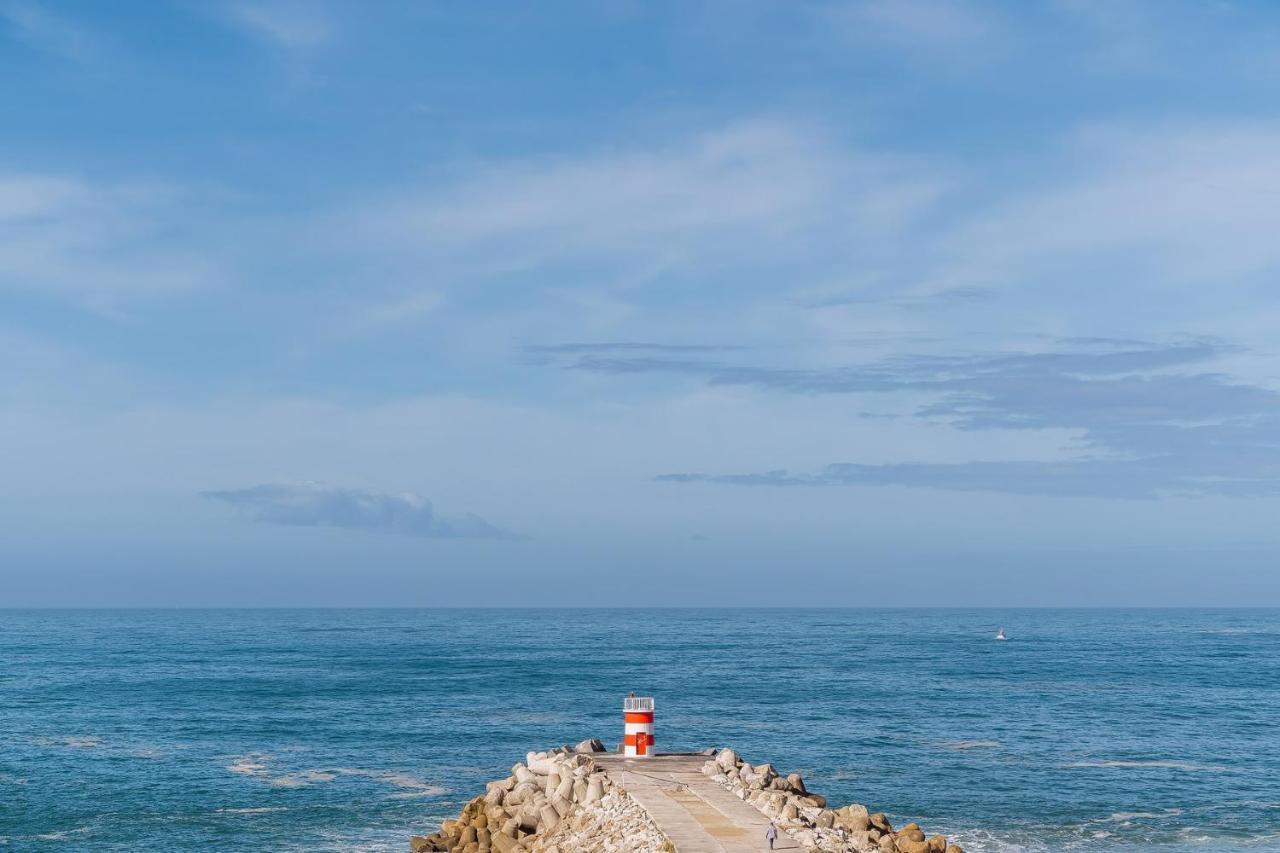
(694, 812)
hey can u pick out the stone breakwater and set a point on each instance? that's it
(553, 802)
(805, 816)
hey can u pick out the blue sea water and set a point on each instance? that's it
(352, 729)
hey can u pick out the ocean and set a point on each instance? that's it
(280, 730)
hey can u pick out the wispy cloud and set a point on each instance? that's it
(967, 378)
(743, 188)
(626, 346)
(951, 30)
(1146, 477)
(92, 244)
(320, 505)
(35, 24)
(542, 354)
(1181, 203)
(1147, 420)
(288, 24)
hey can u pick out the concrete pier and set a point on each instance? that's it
(695, 813)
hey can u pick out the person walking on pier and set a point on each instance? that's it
(771, 834)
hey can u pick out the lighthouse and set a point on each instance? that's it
(637, 720)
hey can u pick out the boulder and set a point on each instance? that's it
(880, 822)
(954, 848)
(728, 760)
(912, 832)
(561, 805)
(937, 844)
(887, 845)
(909, 845)
(853, 823)
(505, 844)
(540, 762)
(592, 745)
(789, 812)
(816, 801)
(550, 817)
(796, 782)
(854, 809)
(826, 819)
(421, 844)
(862, 840)
(522, 773)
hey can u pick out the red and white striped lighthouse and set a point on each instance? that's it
(637, 716)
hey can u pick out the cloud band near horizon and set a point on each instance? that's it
(320, 505)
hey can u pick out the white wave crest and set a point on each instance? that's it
(73, 741)
(298, 780)
(1154, 764)
(254, 764)
(968, 744)
(1125, 817)
(412, 787)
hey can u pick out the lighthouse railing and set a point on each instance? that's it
(637, 703)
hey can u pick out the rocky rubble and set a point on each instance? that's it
(615, 824)
(806, 816)
(553, 802)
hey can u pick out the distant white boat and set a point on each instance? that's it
(1000, 635)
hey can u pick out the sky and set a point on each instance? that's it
(696, 303)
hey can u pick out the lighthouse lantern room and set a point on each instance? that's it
(637, 716)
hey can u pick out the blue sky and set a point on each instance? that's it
(856, 303)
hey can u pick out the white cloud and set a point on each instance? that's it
(92, 244)
(747, 175)
(737, 193)
(36, 25)
(321, 505)
(1185, 203)
(289, 24)
(931, 29)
